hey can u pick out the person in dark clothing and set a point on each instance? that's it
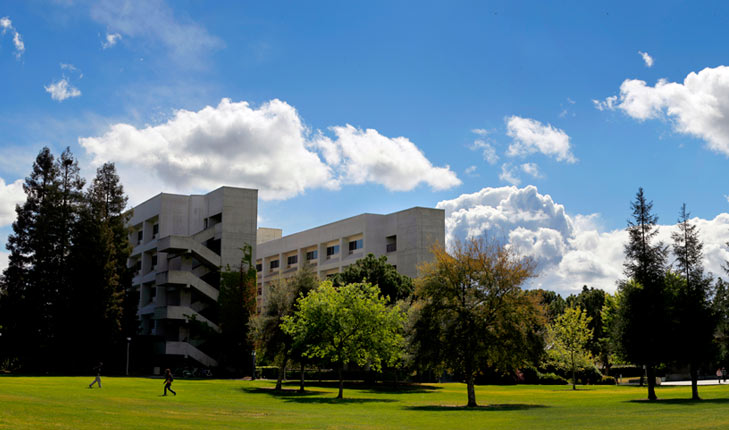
(97, 369)
(168, 382)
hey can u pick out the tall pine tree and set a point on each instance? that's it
(644, 309)
(694, 320)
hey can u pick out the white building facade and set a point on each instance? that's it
(405, 237)
(180, 243)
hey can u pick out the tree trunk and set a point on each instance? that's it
(301, 383)
(651, 375)
(574, 379)
(694, 382)
(341, 383)
(281, 370)
(471, 390)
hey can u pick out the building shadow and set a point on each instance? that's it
(309, 396)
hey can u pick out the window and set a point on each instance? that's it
(292, 259)
(259, 267)
(273, 265)
(312, 255)
(154, 261)
(155, 231)
(391, 243)
(355, 245)
(332, 250)
(140, 236)
(260, 291)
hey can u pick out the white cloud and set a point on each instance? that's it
(10, 195)
(471, 171)
(367, 156)
(185, 41)
(268, 148)
(571, 251)
(110, 40)
(531, 136)
(480, 131)
(607, 104)
(508, 174)
(69, 67)
(531, 169)
(646, 58)
(487, 151)
(697, 107)
(62, 90)
(6, 25)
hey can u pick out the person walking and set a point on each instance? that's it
(97, 369)
(718, 375)
(168, 382)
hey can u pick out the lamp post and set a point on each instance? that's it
(129, 340)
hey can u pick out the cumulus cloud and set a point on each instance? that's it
(471, 171)
(571, 251)
(110, 40)
(531, 136)
(186, 41)
(509, 174)
(487, 151)
(531, 169)
(10, 195)
(367, 156)
(647, 59)
(6, 26)
(697, 107)
(61, 90)
(268, 148)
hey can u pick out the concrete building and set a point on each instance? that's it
(405, 237)
(180, 243)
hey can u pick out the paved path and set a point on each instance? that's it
(700, 382)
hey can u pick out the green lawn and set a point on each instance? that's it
(136, 403)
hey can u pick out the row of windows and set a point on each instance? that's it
(313, 255)
(155, 232)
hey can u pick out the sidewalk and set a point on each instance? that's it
(700, 382)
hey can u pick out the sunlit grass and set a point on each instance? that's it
(137, 403)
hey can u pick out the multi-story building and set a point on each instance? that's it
(179, 245)
(405, 237)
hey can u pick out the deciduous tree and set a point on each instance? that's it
(568, 340)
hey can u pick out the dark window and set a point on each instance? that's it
(331, 250)
(355, 245)
(155, 231)
(260, 291)
(259, 267)
(312, 255)
(140, 236)
(274, 264)
(391, 243)
(292, 259)
(154, 260)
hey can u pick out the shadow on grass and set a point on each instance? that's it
(484, 408)
(290, 395)
(373, 388)
(688, 402)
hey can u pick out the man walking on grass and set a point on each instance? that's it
(168, 382)
(97, 369)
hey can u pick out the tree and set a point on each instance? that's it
(377, 271)
(610, 340)
(237, 302)
(349, 324)
(272, 342)
(644, 311)
(592, 300)
(569, 337)
(472, 312)
(30, 283)
(694, 319)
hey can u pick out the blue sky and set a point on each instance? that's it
(547, 115)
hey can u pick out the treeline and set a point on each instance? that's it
(65, 298)
(468, 317)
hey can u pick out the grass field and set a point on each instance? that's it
(136, 403)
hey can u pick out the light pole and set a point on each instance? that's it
(129, 340)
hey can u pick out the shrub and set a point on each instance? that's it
(607, 380)
(551, 379)
(589, 375)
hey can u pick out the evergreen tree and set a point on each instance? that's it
(30, 282)
(694, 319)
(644, 311)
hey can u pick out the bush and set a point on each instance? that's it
(589, 375)
(607, 380)
(551, 379)
(628, 371)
